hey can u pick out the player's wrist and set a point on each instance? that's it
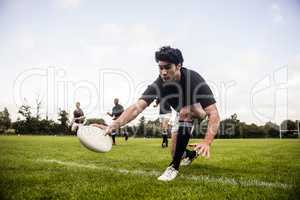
(110, 128)
(114, 126)
(208, 140)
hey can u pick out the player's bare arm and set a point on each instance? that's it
(203, 148)
(99, 126)
(128, 115)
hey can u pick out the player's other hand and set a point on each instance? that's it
(203, 149)
(108, 130)
(103, 127)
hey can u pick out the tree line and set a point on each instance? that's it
(231, 127)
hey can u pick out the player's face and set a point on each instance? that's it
(77, 105)
(168, 71)
(116, 101)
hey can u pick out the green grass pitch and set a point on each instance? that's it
(48, 167)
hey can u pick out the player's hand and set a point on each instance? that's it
(202, 149)
(108, 130)
(101, 126)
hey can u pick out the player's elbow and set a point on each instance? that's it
(137, 108)
(133, 111)
(213, 114)
(215, 119)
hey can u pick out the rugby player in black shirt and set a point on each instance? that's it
(78, 118)
(187, 93)
(116, 112)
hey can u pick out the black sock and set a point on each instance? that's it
(183, 137)
(190, 154)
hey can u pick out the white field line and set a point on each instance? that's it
(219, 180)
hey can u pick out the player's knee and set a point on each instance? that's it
(174, 140)
(198, 111)
(185, 127)
(74, 127)
(185, 114)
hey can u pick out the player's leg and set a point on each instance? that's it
(174, 131)
(190, 154)
(173, 143)
(197, 112)
(74, 127)
(182, 138)
(166, 140)
(183, 135)
(164, 119)
(113, 136)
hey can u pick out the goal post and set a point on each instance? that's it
(285, 130)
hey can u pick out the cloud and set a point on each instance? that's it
(69, 3)
(276, 13)
(132, 44)
(293, 86)
(130, 47)
(25, 39)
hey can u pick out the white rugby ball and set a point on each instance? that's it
(94, 139)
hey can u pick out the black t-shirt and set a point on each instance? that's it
(78, 113)
(117, 111)
(163, 108)
(189, 90)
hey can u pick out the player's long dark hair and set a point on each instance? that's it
(169, 54)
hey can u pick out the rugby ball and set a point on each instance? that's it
(94, 139)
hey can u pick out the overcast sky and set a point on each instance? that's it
(64, 51)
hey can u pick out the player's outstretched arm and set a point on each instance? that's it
(99, 126)
(213, 123)
(128, 115)
(110, 114)
(212, 129)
